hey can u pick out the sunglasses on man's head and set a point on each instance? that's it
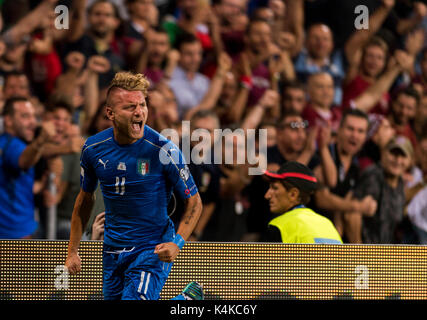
(294, 125)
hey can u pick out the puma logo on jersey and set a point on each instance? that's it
(102, 162)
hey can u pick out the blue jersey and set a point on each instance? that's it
(16, 191)
(137, 181)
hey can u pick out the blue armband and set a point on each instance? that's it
(179, 241)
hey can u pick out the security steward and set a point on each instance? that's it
(290, 190)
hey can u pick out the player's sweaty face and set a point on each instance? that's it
(130, 115)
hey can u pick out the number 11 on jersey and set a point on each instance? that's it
(120, 185)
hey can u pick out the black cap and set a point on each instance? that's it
(296, 174)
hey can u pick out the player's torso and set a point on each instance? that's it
(131, 171)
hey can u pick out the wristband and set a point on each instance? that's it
(179, 241)
(246, 82)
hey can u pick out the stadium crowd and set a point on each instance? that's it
(348, 100)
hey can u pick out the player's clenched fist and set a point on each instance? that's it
(167, 252)
(73, 263)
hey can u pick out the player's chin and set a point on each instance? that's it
(136, 135)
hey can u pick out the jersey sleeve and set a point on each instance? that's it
(178, 173)
(12, 154)
(88, 179)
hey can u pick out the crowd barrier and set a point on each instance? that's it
(34, 270)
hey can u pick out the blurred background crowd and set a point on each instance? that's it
(343, 93)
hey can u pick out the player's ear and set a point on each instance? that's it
(110, 113)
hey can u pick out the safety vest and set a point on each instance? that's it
(303, 225)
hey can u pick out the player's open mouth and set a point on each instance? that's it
(137, 125)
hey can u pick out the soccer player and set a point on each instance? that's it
(137, 169)
(289, 192)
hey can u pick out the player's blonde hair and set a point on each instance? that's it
(129, 81)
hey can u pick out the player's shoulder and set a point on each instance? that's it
(6, 137)
(11, 143)
(98, 139)
(167, 150)
(156, 139)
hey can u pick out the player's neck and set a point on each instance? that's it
(122, 139)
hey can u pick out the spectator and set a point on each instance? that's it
(421, 78)
(193, 90)
(293, 143)
(43, 62)
(290, 190)
(320, 111)
(403, 111)
(233, 21)
(227, 99)
(254, 117)
(293, 98)
(67, 176)
(162, 109)
(417, 212)
(195, 18)
(100, 38)
(188, 85)
(20, 152)
(143, 15)
(93, 98)
(371, 93)
(49, 169)
(367, 55)
(318, 55)
(158, 61)
(23, 36)
(350, 138)
(206, 175)
(228, 222)
(384, 183)
(211, 97)
(270, 128)
(16, 84)
(417, 206)
(380, 133)
(98, 227)
(259, 49)
(70, 82)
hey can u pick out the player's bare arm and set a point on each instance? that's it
(167, 252)
(81, 213)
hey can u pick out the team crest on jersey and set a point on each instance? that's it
(143, 167)
(121, 166)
